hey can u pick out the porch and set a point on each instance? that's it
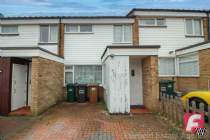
(27, 80)
(130, 78)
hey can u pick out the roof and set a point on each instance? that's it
(130, 47)
(1, 15)
(169, 10)
(62, 17)
(193, 46)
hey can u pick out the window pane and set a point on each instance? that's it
(44, 33)
(127, 33)
(188, 68)
(189, 27)
(188, 65)
(85, 28)
(71, 28)
(166, 66)
(188, 57)
(9, 29)
(148, 22)
(88, 74)
(53, 33)
(197, 27)
(118, 33)
(68, 77)
(161, 22)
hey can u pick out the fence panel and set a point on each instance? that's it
(172, 108)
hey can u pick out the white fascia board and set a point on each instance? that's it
(19, 53)
(130, 52)
(81, 63)
(30, 21)
(195, 49)
(99, 21)
(30, 53)
(169, 14)
(135, 52)
(49, 56)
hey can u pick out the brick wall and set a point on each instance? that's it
(150, 82)
(47, 84)
(61, 40)
(205, 28)
(136, 32)
(204, 63)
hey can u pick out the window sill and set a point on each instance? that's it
(188, 76)
(47, 43)
(194, 36)
(79, 32)
(146, 26)
(12, 34)
(167, 75)
(125, 43)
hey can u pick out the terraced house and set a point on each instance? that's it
(127, 55)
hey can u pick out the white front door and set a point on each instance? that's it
(136, 90)
(19, 86)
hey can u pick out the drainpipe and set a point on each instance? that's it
(208, 28)
(208, 25)
(59, 42)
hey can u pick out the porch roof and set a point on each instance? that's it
(28, 52)
(130, 50)
(193, 48)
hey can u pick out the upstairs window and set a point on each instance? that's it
(122, 34)
(193, 27)
(152, 22)
(48, 33)
(86, 28)
(9, 29)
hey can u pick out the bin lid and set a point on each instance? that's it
(166, 81)
(70, 84)
(90, 85)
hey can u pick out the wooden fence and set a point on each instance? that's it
(173, 109)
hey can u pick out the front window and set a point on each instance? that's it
(85, 74)
(122, 34)
(193, 27)
(68, 74)
(188, 65)
(83, 28)
(9, 29)
(166, 66)
(48, 33)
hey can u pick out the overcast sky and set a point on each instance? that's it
(91, 7)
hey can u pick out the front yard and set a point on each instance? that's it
(84, 122)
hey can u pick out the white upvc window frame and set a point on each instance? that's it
(78, 29)
(49, 31)
(193, 60)
(175, 71)
(155, 25)
(123, 35)
(12, 33)
(68, 70)
(193, 29)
